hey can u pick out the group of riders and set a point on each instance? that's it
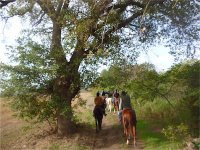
(121, 102)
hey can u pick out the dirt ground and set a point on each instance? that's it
(18, 134)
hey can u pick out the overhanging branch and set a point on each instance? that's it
(4, 3)
(48, 8)
(121, 25)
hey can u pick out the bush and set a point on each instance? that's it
(175, 133)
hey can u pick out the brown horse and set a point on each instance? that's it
(116, 104)
(129, 124)
(98, 115)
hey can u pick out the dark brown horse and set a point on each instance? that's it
(129, 124)
(98, 115)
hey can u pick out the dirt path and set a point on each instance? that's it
(18, 134)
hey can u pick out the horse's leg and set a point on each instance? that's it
(100, 124)
(117, 106)
(123, 122)
(127, 137)
(96, 125)
(110, 106)
(125, 127)
(129, 131)
(134, 135)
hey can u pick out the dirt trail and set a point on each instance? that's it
(111, 136)
(18, 134)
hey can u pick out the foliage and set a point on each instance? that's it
(153, 139)
(187, 76)
(56, 56)
(170, 97)
(115, 78)
(174, 133)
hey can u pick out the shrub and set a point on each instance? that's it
(175, 133)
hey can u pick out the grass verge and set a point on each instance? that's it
(154, 140)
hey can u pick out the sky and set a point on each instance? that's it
(8, 34)
(158, 55)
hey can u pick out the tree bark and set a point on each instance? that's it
(65, 125)
(63, 95)
(62, 91)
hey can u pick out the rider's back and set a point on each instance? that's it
(126, 102)
(98, 101)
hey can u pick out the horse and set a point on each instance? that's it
(129, 124)
(98, 115)
(116, 103)
(109, 103)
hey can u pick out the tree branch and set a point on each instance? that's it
(4, 3)
(59, 7)
(121, 6)
(133, 3)
(121, 25)
(162, 95)
(124, 5)
(48, 8)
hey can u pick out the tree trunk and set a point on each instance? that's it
(67, 82)
(65, 126)
(63, 107)
(65, 89)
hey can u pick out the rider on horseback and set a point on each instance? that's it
(115, 97)
(125, 103)
(99, 102)
(116, 94)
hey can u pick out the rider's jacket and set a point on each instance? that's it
(125, 102)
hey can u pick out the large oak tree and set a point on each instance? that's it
(68, 36)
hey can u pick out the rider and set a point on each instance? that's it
(125, 103)
(99, 102)
(103, 93)
(104, 101)
(115, 95)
